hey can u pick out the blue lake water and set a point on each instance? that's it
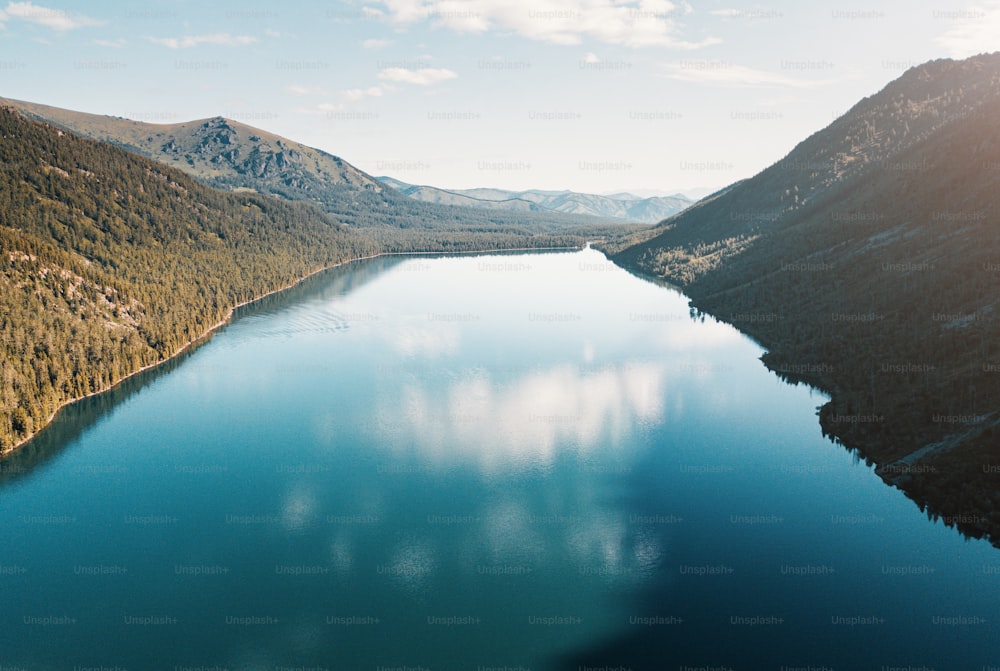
(532, 461)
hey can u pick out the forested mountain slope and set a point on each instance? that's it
(868, 262)
(111, 262)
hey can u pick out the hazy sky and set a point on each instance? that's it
(590, 95)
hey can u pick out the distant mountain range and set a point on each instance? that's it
(868, 262)
(230, 155)
(624, 206)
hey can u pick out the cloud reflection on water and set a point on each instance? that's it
(571, 424)
(425, 340)
(498, 425)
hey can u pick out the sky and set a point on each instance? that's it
(599, 96)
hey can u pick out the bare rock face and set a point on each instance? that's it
(225, 154)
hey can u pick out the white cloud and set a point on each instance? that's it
(216, 39)
(327, 108)
(299, 90)
(56, 19)
(726, 73)
(422, 77)
(633, 23)
(591, 58)
(354, 95)
(973, 30)
(114, 44)
(409, 342)
(375, 44)
(755, 13)
(406, 11)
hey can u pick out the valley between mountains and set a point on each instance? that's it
(866, 261)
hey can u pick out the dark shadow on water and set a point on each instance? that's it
(75, 419)
(678, 621)
(338, 281)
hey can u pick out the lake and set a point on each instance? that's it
(495, 462)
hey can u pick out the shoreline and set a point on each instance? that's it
(912, 474)
(232, 311)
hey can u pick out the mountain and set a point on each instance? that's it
(222, 152)
(868, 262)
(111, 262)
(492, 199)
(622, 206)
(232, 156)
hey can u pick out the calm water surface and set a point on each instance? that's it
(491, 462)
